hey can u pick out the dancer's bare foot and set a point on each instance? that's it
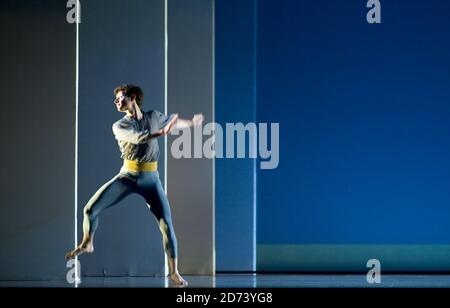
(178, 280)
(82, 248)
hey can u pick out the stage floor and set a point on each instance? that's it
(250, 281)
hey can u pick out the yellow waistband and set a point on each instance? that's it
(133, 165)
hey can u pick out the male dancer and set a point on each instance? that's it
(136, 134)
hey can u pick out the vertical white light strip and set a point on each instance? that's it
(166, 47)
(214, 135)
(77, 56)
(255, 170)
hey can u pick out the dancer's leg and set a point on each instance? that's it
(157, 200)
(109, 194)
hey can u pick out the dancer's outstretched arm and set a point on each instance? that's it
(178, 123)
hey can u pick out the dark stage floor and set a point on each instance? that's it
(250, 281)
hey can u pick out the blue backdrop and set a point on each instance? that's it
(364, 122)
(363, 108)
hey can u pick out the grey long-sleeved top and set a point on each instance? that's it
(132, 135)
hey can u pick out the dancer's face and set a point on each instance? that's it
(123, 102)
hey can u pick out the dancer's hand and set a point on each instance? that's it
(197, 119)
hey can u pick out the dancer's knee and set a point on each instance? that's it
(88, 213)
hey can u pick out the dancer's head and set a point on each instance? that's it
(127, 95)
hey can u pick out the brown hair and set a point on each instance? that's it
(130, 90)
